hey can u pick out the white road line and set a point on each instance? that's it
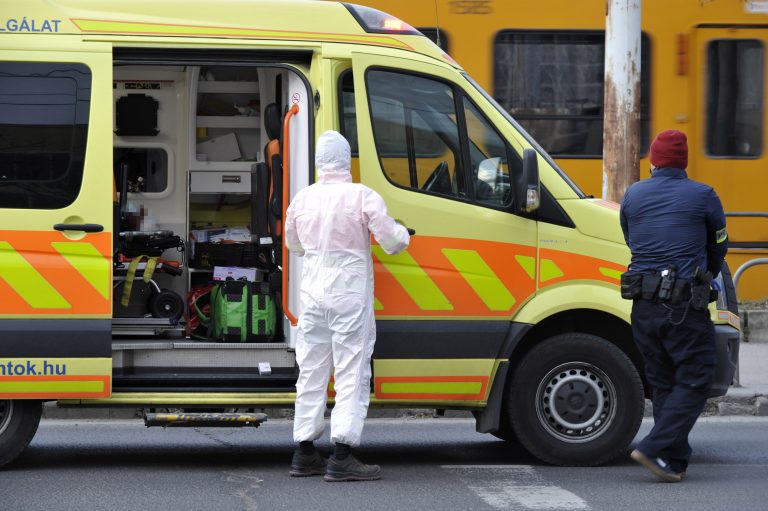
(514, 487)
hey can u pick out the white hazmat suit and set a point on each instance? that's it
(330, 224)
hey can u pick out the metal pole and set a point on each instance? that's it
(621, 127)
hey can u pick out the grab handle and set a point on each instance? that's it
(79, 227)
(286, 196)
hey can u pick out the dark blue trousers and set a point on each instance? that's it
(680, 367)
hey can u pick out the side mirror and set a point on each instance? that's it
(529, 187)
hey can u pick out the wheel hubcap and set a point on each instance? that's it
(6, 410)
(576, 402)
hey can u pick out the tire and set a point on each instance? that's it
(18, 424)
(598, 400)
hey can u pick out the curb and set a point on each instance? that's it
(741, 401)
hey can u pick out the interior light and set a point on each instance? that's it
(375, 21)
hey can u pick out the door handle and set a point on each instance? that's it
(79, 227)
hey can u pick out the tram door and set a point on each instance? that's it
(729, 66)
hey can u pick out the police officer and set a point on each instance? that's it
(675, 228)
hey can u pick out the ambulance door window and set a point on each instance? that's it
(44, 110)
(490, 159)
(415, 130)
(347, 112)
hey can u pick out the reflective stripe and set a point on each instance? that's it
(469, 387)
(137, 27)
(60, 387)
(458, 388)
(42, 273)
(721, 235)
(27, 282)
(610, 272)
(482, 278)
(528, 264)
(93, 266)
(549, 270)
(377, 304)
(414, 280)
(469, 278)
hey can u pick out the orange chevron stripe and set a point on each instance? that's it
(579, 267)
(427, 252)
(500, 257)
(35, 247)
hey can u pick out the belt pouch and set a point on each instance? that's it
(650, 286)
(631, 285)
(700, 296)
(681, 291)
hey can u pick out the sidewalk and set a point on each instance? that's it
(751, 398)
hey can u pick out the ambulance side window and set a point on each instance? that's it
(44, 110)
(414, 121)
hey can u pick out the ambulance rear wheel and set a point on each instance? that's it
(576, 399)
(18, 424)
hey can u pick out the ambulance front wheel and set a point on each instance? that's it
(576, 399)
(18, 424)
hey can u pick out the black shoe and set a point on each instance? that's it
(303, 465)
(351, 469)
(657, 466)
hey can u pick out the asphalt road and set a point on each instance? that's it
(427, 464)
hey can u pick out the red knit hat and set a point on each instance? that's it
(670, 149)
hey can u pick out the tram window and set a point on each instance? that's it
(553, 84)
(431, 34)
(735, 98)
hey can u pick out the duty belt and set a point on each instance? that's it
(646, 286)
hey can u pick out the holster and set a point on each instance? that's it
(700, 296)
(681, 292)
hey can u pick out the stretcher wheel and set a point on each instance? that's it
(166, 304)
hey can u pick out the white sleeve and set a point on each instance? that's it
(292, 241)
(391, 236)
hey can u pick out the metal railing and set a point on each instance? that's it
(747, 244)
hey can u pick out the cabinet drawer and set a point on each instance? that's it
(219, 182)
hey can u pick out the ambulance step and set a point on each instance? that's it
(204, 420)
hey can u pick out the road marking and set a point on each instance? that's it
(515, 486)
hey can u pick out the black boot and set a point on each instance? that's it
(304, 464)
(350, 469)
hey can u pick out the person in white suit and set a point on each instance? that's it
(330, 224)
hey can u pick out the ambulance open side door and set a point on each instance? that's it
(56, 186)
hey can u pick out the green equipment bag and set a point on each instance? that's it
(242, 311)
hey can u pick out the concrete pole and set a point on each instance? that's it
(621, 128)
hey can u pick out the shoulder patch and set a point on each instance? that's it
(721, 235)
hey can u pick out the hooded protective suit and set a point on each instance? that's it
(330, 224)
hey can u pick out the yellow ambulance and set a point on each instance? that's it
(148, 150)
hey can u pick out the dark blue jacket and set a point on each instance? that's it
(670, 219)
